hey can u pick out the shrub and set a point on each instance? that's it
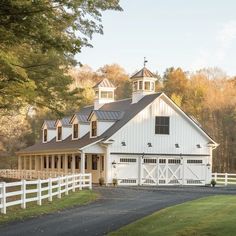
(114, 182)
(101, 181)
(213, 183)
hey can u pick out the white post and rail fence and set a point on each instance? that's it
(224, 178)
(25, 191)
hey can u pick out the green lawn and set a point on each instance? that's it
(211, 216)
(73, 199)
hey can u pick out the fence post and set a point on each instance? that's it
(39, 201)
(73, 183)
(59, 187)
(67, 185)
(226, 179)
(215, 176)
(23, 194)
(50, 189)
(90, 181)
(3, 199)
(80, 181)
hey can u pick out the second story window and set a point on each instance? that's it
(106, 94)
(94, 129)
(59, 133)
(75, 131)
(147, 85)
(45, 135)
(162, 125)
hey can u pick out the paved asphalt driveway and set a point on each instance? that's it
(117, 207)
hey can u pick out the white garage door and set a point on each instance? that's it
(126, 171)
(173, 171)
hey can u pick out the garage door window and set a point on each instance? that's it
(174, 161)
(162, 161)
(194, 161)
(149, 160)
(126, 160)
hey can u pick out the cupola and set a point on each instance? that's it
(143, 84)
(104, 93)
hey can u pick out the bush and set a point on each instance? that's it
(101, 181)
(213, 183)
(114, 182)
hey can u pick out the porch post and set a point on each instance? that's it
(41, 162)
(66, 163)
(58, 163)
(53, 162)
(25, 160)
(30, 162)
(107, 157)
(82, 163)
(47, 162)
(19, 163)
(73, 163)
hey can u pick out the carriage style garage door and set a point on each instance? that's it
(173, 171)
(160, 171)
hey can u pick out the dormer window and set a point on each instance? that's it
(59, 133)
(147, 85)
(75, 131)
(135, 86)
(107, 94)
(94, 128)
(45, 135)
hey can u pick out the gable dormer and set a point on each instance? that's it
(101, 120)
(104, 93)
(63, 128)
(48, 130)
(80, 125)
(143, 84)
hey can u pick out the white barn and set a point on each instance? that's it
(144, 140)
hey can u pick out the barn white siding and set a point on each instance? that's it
(141, 130)
(83, 129)
(102, 126)
(51, 134)
(66, 132)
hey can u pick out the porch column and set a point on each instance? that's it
(82, 163)
(65, 163)
(73, 163)
(107, 157)
(41, 162)
(59, 163)
(53, 162)
(19, 163)
(25, 163)
(30, 162)
(47, 162)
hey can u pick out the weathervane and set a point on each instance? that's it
(145, 61)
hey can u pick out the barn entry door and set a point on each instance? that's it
(149, 171)
(169, 171)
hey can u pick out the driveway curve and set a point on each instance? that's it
(116, 207)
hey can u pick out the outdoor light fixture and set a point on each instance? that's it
(198, 146)
(177, 145)
(149, 144)
(123, 143)
(114, 164)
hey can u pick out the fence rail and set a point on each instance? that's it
(31, 174)
(224, 178)
(24, 191)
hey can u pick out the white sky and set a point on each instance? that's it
(191, 34)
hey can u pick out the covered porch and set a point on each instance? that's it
(65, 163)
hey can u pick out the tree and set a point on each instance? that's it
(38, 41)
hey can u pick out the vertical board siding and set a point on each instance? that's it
(141, 130)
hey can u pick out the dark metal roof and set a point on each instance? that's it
(50, 124)
(83, 114)
(143, 73)
(129, 110)
(107, 115)
(105, 83)
(65, 122)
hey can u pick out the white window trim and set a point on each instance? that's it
(73, 138)
(43, 135)
(91, 129)
(59, 140)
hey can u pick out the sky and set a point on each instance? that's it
(191, 34)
